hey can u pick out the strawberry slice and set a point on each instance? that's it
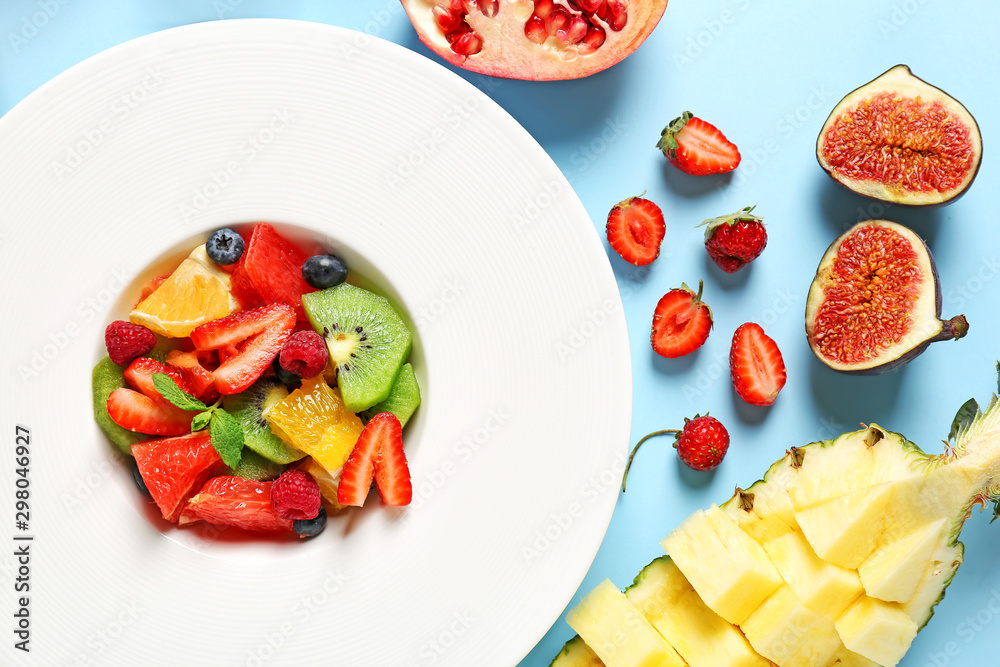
(139, 375)
(237, 502)
(635, 229)
(756, 365)
(378, 454)
(697, 147)
(681, 322)
(138, 412)
(249, 340)
(175, 468)
(198, 378)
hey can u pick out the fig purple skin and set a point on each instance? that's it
(875, 302)
(901, 140)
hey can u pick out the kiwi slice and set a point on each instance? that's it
(248, 407)
(403, 399)
(107, 377)
(254, 466)
(367, 340)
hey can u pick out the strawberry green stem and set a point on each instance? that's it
(636, 448)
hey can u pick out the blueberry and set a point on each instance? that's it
(286, 378)
(310, 527)
(322, 271)
(224, 246)
(139, 481)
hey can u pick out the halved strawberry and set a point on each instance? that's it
(681, 322)
(270, 271)
(137, 412)
(248, 341)
(756, 365)
(238, 502)
(635, 230)
(198, 378)
(139, 375)
(697, 147)
(174, 468)
(378, 454)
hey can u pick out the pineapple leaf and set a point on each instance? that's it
(996, 509)
(964, 418)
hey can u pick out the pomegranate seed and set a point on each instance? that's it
(590, 6)
(462, 29)
(574, 4)
(619, 15)
(602, 11)
(534, 30)
(457, 6)
(543, 8)
(446, 18)
(489, 8)
(574, 32)
(468, 44)
(557, 20)
(593, 40)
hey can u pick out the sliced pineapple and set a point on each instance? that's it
(618, 633)
(576, 653)
(788, 633)
(880, 631)
(847, 529)
(825, 588)
(698, 634)
(764, 511)
(730, 571)
(893, 572)
(844, 658)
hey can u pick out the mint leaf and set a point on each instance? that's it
(227, 437)
(201, 420)
(169, 390)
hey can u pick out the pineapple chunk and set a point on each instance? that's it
(791, 635)
(893, 572)
(576, 653)
(843, 658)
(699, 635)
(728, 569)
(764, 511)
(825, 588)
(879, 631)
(618, 633)
(846, 530)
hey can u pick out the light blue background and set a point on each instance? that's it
(767, 72)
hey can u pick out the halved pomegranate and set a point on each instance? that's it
(540, 40)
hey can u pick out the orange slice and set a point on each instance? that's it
(198, 291)
(313, 420)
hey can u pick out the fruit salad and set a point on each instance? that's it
(256, 387)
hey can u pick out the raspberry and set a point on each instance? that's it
(295, 495)
(126, 341)
(304, 353)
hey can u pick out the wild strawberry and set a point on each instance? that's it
(635, 229)
(735, 240)
(378, 454)
(126, 341)
(304, 354)
(697, 147)
(681, 322)
(701, 444)
(295, 495)
(756, 365)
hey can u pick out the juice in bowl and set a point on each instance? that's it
(258, 380)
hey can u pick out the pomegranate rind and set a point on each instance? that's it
(899, 81)
(919, 313)
(509, 54)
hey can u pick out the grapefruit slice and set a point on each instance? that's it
(175, 468)
(238, 502)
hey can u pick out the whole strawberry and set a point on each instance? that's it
(735, 240)
(701, 444)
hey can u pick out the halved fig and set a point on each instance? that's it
(875, 302)
(901, 140)
(540, 40)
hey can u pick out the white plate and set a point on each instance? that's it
(428, 187)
